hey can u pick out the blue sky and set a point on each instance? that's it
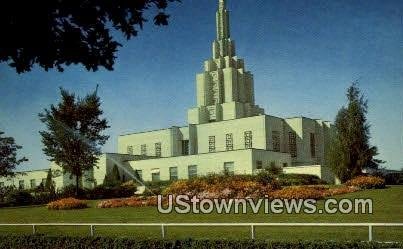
(303, 54)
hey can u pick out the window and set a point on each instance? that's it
(248, 139)
(1, 184)
(155, 175)
(285, 165)
(211, 143)
(229, 167)
(32, 183)
(173, 173)
(144, 149)
(185, 147)
(292, 143)
(158, 149)
(139, 174)
(130, 150)
(229, 142)
(192, 171)
(21, 184)
(259, 165)
(275, 136)
(312, 143)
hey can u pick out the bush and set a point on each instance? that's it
(18, 198)
(367, 182)
(67, 204)
(31, 241)
(299, 179)
(126, 189)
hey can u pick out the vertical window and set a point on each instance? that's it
(139, 174)
(192, 171)
(158, 149)
(21, 184)
(211, 143)
(32, 183)
(285, 165)
(275, 136)
(130, 150)
(155, 175)
(229, 167)
(144, 149)
(312, 143)
(292, 143)
(173, 173)
(185, 147)
(248, 139)
(229, 142)
(259, 165)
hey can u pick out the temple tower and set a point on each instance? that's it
(225, 89)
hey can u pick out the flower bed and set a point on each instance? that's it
(67, 204)
(310, 192)
(367, 182)
(129, 202)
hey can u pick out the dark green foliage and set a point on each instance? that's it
(8, 156)
(74, 133)
(350, 151)
(155, 188)
(59, 33)
(105, 242)
(49, 186)
(273, 169)
(299, 179)
(99, 192)
(18, 198)
(113, 178)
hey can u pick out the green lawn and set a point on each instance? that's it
(388, 207)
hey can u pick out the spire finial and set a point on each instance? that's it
(222, 21)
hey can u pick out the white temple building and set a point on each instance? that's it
(226, 130)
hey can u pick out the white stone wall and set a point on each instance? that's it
(37, 176)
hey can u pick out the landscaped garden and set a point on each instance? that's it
(388, 203)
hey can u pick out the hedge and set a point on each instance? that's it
(36, 241)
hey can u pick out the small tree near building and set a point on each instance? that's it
(350, 151)
(74, 133)
(8, 156)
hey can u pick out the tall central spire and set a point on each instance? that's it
(223, 46)
(223, 31)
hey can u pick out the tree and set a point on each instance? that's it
(350, 151)
(113, 178)
(74, 133)
(49, 182)
(8, 156)
(55, 33)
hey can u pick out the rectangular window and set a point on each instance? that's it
(155, 175)
(185, 147)
(173, 173)
(192, 171)
(275, 136)
(292, 143)
(229, 167)
(130, 150)
(229, 141)
(21, 184)
(144, 149)
(139, 174)
(158, 149)
(285, 165)
(248, 139)
(211, 143)
(259, 165)
(32, 183)
(313, 147)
